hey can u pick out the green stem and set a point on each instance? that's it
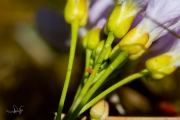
(92, 76)
(98, 76)
(109, 80)
(112, 88)
(74, 33)
(120, 58)
(105, 83)
(104, 65)
(86, 74)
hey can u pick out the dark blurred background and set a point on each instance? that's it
(34, 47)
(34, 51)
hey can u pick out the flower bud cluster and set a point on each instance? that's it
(137, 40)
(105, 56)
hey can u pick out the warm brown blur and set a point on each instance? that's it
(31, 71)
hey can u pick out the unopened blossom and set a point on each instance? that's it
(158, 13)
(93, 36)
(166, 63)
(76, 10)
(123, 15)
(100, 110)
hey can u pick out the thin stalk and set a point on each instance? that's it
(86, 74)
(92, 76)
(112, 88)
(109, 79)
(105, 83)
(74, 34)
(98, 76)
(120, 58)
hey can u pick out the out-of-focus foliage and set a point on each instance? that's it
(31, 72)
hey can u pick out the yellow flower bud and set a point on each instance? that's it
(120, 20)
(100, 110)
(76, 10)
(93, 39)
(134, 43)
(85, 39)
(160, 66)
